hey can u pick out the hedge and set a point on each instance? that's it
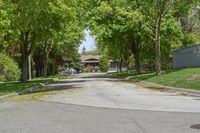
(9, 69)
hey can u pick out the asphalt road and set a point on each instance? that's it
(89, 103)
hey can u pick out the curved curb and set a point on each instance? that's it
(5, 97)
(27, 91)
(37, 87)
(189, 91)
(158, 86)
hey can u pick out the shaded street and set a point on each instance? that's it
(91, 103)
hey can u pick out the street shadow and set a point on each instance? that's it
(95, 76)
(69, 81)
(50, 89)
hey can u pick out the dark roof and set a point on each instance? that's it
(90, 57)
(190, 46)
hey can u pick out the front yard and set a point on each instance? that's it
(16, 86)
(188, 78)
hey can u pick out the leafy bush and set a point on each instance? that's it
(189, 39)
(88, 69)
(97, 68)
(77, 67)
(103, 62)
(9, 70)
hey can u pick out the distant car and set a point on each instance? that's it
(68, 72)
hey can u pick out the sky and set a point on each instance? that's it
(89, 42)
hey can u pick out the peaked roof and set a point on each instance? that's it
(90, 57)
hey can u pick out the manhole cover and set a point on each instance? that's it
(197, 126)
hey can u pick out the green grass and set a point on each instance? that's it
(175, 78)
(10, 87)
(178, 78)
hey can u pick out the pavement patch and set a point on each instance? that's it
(31, 96)
(44, 93)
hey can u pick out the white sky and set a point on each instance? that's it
(89, 42)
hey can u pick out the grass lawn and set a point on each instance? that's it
(10, 87)
(188, 78)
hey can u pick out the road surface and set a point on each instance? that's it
(90, 103)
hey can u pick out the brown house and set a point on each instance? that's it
(90, 60)
(93, 61)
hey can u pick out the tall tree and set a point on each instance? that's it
(24, 23)
(157, 11)
(161, 7)
(119, 20)
(44, 23)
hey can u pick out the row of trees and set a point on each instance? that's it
(44, 33)
(149, 30)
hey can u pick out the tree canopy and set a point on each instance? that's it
(46, 34)
(150, 30)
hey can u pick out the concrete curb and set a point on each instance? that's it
(148, 84)
(27, 91)
(30, 90)
(193, 92)
(36, 88)
(5, 97)
(173, 89)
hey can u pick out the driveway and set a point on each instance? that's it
(90, 103)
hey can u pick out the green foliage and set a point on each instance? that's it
(103, 62)
(181, 78)
(5, 22)
(77, 66)
(49, 30)
(88, 69)
(10, 87)
(9, 70)
(97, 68)
(189, 39)
(123, 28)
(53, 30)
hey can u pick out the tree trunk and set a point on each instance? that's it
(127, 60)
(117, 66)
(135, 47)
(158, 53)
(24, 49)
(27, 40)
(120, 64)
(24, 68)
(37, 72)
(128, 63)
(41, 71)
(47, 48)
(53, 69)
(45, 68)
(137, 62)
(120, 67)
(29, 66)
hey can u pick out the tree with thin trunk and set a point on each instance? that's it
(119, 23)
(157, 9)
(26, 46)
